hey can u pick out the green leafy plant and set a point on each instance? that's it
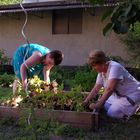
(40, 97)
(71, 100)
(6, 80)
(125, 14)
(6, 2)
(79, 76)
(84, 77)
(5, 95)
(62, 74)
(3, 58)
(132, 42)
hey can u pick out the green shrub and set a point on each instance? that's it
(3, 58)
(132, 42)
(84, 77)
(57, 74)
(71, 100)
(6, 80)
(81, 76)
(6, 2)
(61, 74)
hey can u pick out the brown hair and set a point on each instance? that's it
(57, 56)
(97, 57)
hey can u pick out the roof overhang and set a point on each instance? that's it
(44, 6)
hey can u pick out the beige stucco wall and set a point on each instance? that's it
(75, 46)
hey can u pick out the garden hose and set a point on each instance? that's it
(28, 43)
(25, 23)
(22, 31)
(26, 39)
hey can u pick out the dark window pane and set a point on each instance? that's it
(60, 22)
(67, 21)
(75, 21)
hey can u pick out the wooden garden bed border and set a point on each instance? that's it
(77, 119)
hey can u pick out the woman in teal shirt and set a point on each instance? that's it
(34, 59)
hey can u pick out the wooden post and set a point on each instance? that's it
(95, 120)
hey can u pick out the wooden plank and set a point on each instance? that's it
(9, 112)
(69, 117)
(78, 119)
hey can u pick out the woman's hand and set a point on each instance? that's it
(46, 73)
(85, 104)
(97, 105)
(92, 106)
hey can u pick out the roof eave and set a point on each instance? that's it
(44, 6)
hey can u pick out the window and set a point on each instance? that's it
(67, 21)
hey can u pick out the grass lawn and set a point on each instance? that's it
(109, 129)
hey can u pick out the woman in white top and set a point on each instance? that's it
(121, 96)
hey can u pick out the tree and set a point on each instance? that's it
(125, 19)
(132, 41)
(5, 2)
(123, 16)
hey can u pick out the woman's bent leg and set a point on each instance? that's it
(15, 86)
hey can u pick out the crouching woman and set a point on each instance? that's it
(121, 96)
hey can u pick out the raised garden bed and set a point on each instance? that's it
(46, 102)
(78, 119)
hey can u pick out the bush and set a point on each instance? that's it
(132, 41)
(58, 74)
(6, 2)
(3, 58)
(6, 80)
(84, 77)
(80, 76)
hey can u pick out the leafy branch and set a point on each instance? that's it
(125, 14)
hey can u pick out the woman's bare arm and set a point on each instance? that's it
(35, 58)
(93, 92)
(107, 93)
(46, 73)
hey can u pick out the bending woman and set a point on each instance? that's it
(34, 59)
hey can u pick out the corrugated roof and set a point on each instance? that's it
(42, 6)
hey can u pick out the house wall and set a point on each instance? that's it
(76, 47)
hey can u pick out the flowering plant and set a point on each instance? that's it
(38, 86)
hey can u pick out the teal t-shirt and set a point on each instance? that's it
(24, 52)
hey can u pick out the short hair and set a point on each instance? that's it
(57, 56)
(97, 57)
